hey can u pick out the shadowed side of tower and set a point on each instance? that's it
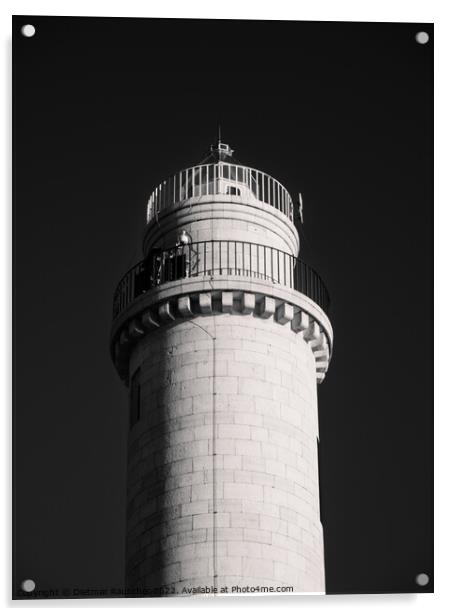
(221, 335)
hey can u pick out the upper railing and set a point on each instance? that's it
(219, 178)
(219, 258)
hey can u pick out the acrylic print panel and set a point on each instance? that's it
(223, 307)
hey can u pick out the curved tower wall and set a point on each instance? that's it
(223, 485)
(222, 217)
(223, 479)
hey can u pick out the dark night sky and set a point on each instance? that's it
(104, 110)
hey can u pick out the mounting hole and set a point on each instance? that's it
(28, 30)
(422, 579)
(28, 585)
(422, 38)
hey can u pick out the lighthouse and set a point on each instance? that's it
(221, 336)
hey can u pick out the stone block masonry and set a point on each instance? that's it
(222, 469)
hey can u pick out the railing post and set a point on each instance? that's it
(257, 261)
(213, 257)
(227, 264)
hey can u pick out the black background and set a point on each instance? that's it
(104, 109)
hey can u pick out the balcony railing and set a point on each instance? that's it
(219, 258)
(243, 183)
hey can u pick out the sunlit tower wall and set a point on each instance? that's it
(221, 335)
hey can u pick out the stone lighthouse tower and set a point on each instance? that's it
(221, 336)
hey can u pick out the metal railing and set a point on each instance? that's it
(219, 178)
(219, 258)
